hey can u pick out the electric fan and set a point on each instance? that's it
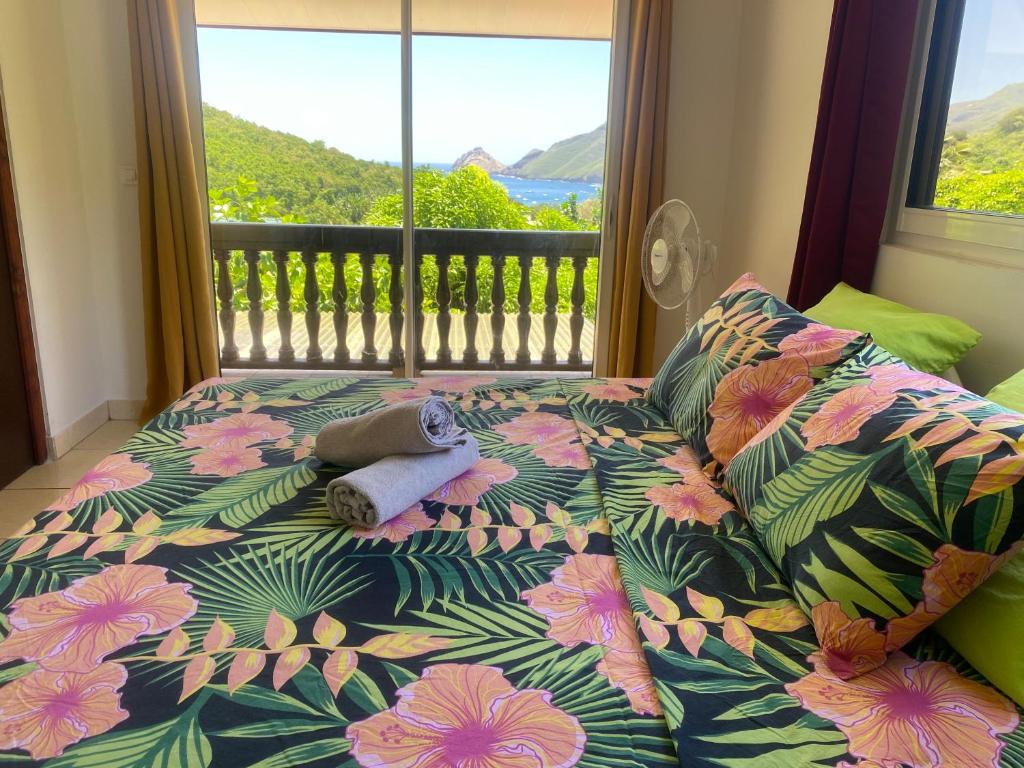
(675, 258)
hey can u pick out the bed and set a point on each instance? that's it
(579, 598)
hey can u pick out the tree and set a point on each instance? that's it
(463, 199)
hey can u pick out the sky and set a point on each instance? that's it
(508, 95)
(991, 52)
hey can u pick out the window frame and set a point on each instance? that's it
(615, 121)
(914, 222)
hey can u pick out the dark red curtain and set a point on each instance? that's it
(859, 113)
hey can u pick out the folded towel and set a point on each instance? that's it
(374, 494)
(426, 425)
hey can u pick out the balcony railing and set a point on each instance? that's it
(455, 334)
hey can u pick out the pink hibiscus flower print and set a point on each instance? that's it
(585, 602)
(537, 428)
(568, 454)
(953, 574)
(226, 461)
(839, 420)
(818, 344)
(640, 382)
(681, 501)
(457, 384)
(685, 462)
(239, 430)
(393, 396)
(749, 397)
(116, 472)
(400, 527)
(214, 381)
(893, 377)
(466, 489)
(43, 712)
(916, 713)
(771, 427)
(613, 389)
(849, 647)
(74, 629)
(462, 715)
(745, 282)
(628, 670)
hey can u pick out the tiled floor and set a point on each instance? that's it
(40, 486)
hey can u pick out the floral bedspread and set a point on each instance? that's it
(735, 663)
(190, 603)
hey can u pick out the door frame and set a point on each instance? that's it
(11, 244)
(612, 170)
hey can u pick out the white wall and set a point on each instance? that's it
(743, 102)
(96, 36)
(764, 140)
(67, 95)
(782, 44)
(987, 296)
(701, 119)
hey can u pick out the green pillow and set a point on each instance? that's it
(930, 342)
(1010, 393)
(987, 627)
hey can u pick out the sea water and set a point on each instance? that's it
(534, 191)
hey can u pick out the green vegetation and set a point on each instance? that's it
(982, 164)
(307, 180)
(260, 175)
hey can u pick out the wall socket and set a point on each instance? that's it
(129, 175)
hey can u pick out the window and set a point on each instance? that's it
(311, 175)
(969, 148)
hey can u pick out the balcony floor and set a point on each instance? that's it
(382, 337)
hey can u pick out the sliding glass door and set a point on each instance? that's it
(445, 198)
(508, 121)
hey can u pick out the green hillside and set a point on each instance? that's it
(578, 158)
(982, 169)
(307, 180)
(982, 114)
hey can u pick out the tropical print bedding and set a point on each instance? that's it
(190, 603)
(736, 666)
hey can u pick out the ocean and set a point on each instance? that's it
(533, 191)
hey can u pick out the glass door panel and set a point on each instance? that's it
(302, 124)
(303, 119)
(508, 123)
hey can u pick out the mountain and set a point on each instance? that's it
(516, 167)
(308, 178)
(578, 158)
(480, 158)
(981, 114)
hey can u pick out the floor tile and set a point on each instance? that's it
(17, 507)
(109, 437)
(61, 473)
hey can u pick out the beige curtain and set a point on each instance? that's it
(641, 177)
(181, 339)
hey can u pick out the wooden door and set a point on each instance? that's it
(22, 434)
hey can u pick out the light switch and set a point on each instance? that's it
(129, 175)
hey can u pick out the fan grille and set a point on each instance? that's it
(671, 254)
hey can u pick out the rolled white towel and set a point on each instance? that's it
(376, 493)
(426, 425)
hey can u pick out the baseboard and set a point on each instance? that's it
(125, 410)
(81, 428)
(118, 410)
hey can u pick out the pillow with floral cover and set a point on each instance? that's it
(885, 495)
(743, 362)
